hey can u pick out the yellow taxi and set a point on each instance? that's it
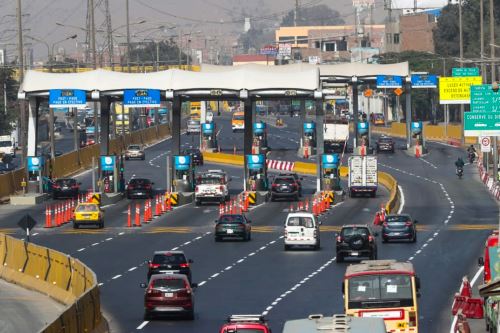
(238, 121)
(88, 214)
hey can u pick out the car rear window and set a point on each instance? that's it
(209, 180)
(137, 181)
(169, 259)
(284, 180)
(192, 151)
(86, 208)
(169, 284)
(351, 231)
(400, 218)
(66, 182)
(385, 140)
(238, 117)
(231, 219)
(300, 221)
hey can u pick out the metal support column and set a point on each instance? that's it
(51, 134)
(176, 125)
(408, 111)
(319, 140)
(113, 116)
(247, 136)
(105, 103)
(355, 110)
(33, 106)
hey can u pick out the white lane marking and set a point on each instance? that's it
(175, 249)
(95, 244)
(429, 163)
(36, 233)
(108, 239)
(201, 283)
(141, 326)
(472, 282)
(121, 233)
(402, 205)
(100, 284)
(132, 269)
(116, 277)
(295, 287)
(82, 249)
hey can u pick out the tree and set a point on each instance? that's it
(145, 52)
(7, 78)
(311, 16)
(254, 39)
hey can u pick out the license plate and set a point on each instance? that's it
(169, 294)
(168, 272)
(396, 233)
(229, 231)
(354, 253)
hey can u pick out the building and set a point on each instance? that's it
(259, 59)
(332, 43)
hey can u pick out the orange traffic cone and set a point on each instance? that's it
(137, 215)
(129, 217)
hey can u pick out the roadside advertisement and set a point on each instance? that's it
(141, 98)
(285, 49)
(68, 98)
(456, 90)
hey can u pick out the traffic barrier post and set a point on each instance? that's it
(137, 215)
(48, 217)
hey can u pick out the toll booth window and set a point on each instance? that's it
(299, 221)
(231, 219)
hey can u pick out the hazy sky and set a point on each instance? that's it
(210, 16)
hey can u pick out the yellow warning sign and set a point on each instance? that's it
(456, 90)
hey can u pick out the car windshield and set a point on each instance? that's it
(380, 287)
(169, 284)
(351, 231)
(87, 208)
(5, 143)
(300, 221)
(169, 259)
(134, 147)
(397, 218)
(65, 182)
(231, 219)
(238, 117)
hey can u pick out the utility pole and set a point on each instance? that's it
(109, 31)
(92, 34)
(23, 132)
(462, 106)
(128, 35)
(179, 47)
(493, 79)
(481, 23)
(296, 13)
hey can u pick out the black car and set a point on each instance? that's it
(65, 188)
(170, 262)
(140, 188)
(398, 227)
(196, 155)
(385, 143)
(233, 226)
(296, 177)
(285, 187)
(356, 241)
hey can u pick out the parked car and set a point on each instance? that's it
(398, 227)
(135, 151)
(285, 187)
(170, 262)
(196, 155)
(168, 294)
(140, 188)
(88, 214)
(385, 143)
(65, 188)
(246, 323)
(356, 241)
(233, 226)
(302, 229)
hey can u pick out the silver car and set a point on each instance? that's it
(135, 151)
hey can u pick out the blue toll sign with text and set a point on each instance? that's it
(363, 128)
(255, 161)
(69, 98)
(207, 128)
(182, 162)
(416, 127)
(330, 161)
(423, 81)
(141, 98)
(258, 128)
(389, 81)
(35, 163)
(108, 163)
(309, 127)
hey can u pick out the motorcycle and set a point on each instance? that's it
(472, 157)
(460, 172)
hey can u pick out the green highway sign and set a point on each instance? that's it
(465, 71)
(484, 99)
(481, 123)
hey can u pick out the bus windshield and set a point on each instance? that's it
(379, 291)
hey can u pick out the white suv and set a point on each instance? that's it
(211, 186)
(301, 229)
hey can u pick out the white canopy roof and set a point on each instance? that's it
(241, 78)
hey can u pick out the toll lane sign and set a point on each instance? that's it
(69, 98)
(456, 90)
(141, 98)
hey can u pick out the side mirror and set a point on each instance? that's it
(375, 234)
(480, 261)
(79, 183)
(417, 282)
(152, 183)
(143, 285)
(320, 223)
(190, 261)
(415, 221)
(194, 285)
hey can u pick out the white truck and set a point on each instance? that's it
(211, 186)
(363, 175)
(7, 145)
(335, 136)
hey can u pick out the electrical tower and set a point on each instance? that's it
(103, 7)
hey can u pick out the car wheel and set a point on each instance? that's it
(75, 225)
(148, 316)
(190, 315)
(217, 239)
(143, 158)
(317, 246)
(287, 247)
(384, 240)
(126, 158)
(297, 197)
(340, 258)
(373, 256)
(198, 202)
(249, 237)
(414, 240)
(273, 198)
(101, 225)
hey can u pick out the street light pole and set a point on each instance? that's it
(128, 34)
(493, 79)
(22, 133)
(462, 106)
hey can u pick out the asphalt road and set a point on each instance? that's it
(455, 216)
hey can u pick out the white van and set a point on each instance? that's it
(7, 145)
(301, 229)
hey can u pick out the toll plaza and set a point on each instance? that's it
(256, 173)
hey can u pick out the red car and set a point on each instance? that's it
(246, 323)
(168, 294)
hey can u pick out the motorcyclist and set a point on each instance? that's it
(459, 163)
(471, 153)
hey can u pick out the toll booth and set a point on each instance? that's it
(330, 175)
(183, 175)
(208, 136)
(259, 137)
(256, 177)
(309, 139)
(108, 174)
(417, 136)
(364, 137)
(36, 167)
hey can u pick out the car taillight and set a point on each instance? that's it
(74, 186)
(154, 292)
(408, 223)
(295, 184)
(130, 187)
(275, 185)
(412, 318)
(221, 188)
(196, 189)
(148, 187)
(185, 265)
(370, 238)
(154, 265)
(315, 233)
(385, 224)
(286, 233)
(56, 186)
(183, 293)
(339, 239)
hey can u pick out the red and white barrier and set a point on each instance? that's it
(280, 165)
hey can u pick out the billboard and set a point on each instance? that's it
(456, 90)
(420, 4)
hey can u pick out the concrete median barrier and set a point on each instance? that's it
(222, 158)
(391, 184)
(59, 276)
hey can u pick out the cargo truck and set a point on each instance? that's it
(335, 136)
(362, 175)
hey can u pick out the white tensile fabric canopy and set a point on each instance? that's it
(249, 78)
